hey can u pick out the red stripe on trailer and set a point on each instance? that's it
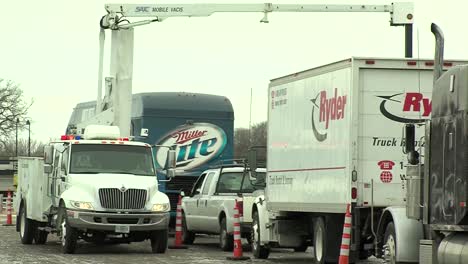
(311, 169)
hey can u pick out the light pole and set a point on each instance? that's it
(16, 147)
(29, 137)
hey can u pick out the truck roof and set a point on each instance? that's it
(104, 141)
(367, 62)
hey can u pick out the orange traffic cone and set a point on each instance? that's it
(237, 237)
(178, 227)
(9, 221)
(346, 239)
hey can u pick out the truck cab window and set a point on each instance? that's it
(64, 163)
(197, 187)
(209, 180)
(230, 182)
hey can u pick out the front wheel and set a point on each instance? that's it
(389, 251)
(68, 234)
(320, 242)
(159, 241)
(226, 241)
(187, 236)
(259, 251)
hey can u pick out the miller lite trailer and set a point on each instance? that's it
(199, 126)
(335, 138)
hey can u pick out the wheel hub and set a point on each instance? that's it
(22, 224)
(318, 244)
(63, 233)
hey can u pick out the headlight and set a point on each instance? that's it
(82, 205)
(161, 207)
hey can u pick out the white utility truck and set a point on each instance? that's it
(335, 138)
(93, 188)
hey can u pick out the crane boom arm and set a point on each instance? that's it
(401, 13)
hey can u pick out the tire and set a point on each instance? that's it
(26, 227)
(187, 236)
(68, 234)
(259, 251)
(389, 251)
(226, 241)
(327, 238)
(159, 241)
(301, 248)
(40, 236)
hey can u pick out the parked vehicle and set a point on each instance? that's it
(97, 188)
(335, 138)
(437, 180)
(186, 121)
(209, 208)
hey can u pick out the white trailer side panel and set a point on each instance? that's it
(389, 98)
(309, 142)
(32, 184)
(310, 162)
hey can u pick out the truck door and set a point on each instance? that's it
(191, 205)
(205, 206)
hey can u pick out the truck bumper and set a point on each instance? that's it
(85, 221)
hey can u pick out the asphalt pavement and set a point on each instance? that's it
(205, 250)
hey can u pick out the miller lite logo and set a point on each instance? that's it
(327, 109)
(195, 145)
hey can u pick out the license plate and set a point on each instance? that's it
(122, 229)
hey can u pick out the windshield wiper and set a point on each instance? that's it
(86, 172)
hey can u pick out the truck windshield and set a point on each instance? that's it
(236, 182)
(100, 158)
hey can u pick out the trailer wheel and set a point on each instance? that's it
(226, 241)
(259, 251)
(187, 236)
(389, 248)
(159, 241)
(68, 234)
(40, 236)
(320, 242)
(26, 226)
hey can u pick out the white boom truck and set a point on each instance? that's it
(102, 186)
(335, 138)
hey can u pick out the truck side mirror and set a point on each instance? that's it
(409, 138)
(410, 149)
(48, 168)
(171, 173)
(252, 160)
(48, 154)
(171, 159)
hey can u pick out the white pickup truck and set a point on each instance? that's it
(209, 208)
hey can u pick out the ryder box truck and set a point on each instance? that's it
(334, 138)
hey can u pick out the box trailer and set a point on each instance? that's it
(335, 138)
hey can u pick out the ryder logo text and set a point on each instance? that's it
(330, 109)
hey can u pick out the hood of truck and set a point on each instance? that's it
(106, 180)
(85, 187)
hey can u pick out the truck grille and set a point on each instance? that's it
(181, 183)
(113, 198)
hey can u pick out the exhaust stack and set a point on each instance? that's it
(439, 51)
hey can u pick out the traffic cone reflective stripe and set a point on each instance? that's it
(178, 227)
(9, 220)
(237, 253)
(346, 238)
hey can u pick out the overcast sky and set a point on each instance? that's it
(51, 49)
